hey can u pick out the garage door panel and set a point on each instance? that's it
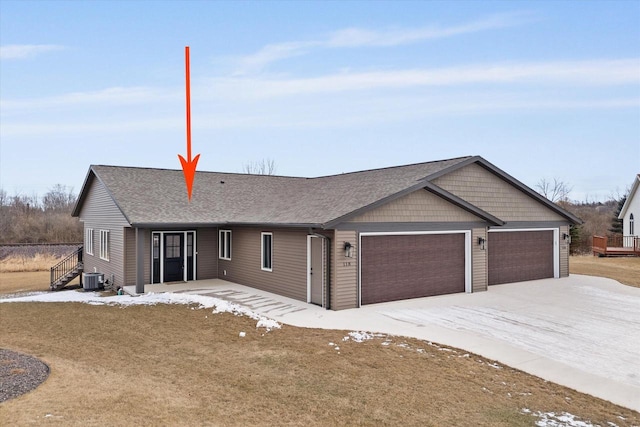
(411, 266)
(516, 256)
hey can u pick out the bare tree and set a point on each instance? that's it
(25, 219)
(58, 198)
(262, 167)
(557, 191)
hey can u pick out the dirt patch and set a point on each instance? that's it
(625, 270)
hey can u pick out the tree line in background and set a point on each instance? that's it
(600, 218)
(33, 219)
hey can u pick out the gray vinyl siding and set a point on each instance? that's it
(418, 206)
(479, 269)
(130, 256)
(147, 255)
(490, 193)
(564, 252)
(207, 258)
(100, 212)
(344, 290)
(289, 269)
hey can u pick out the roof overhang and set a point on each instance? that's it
(185, 225)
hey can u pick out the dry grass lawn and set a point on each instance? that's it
(22, 263)
(176, 365)
(623, 269)
(32, 281)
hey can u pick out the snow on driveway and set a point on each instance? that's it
(590, 328)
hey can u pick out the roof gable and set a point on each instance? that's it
(633, 193)
(493, 190)
(418, 206)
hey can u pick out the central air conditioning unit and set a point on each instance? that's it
(92, 281)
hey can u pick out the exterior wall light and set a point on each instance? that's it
(566, 237)
(481, 242)
(348, 249)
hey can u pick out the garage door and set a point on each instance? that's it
(516, 256)
(411, 266)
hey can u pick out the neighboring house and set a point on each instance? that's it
(630, 214)
(338, 241)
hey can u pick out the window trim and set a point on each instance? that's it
(88, 241)
(262, 263)
(104, 245)
(224, 252)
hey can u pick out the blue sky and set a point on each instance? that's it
(540, 89)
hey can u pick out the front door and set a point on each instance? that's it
(316, 271)
(173, 257)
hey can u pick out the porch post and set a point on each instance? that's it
(139, 261)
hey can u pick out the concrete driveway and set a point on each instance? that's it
(582, 332)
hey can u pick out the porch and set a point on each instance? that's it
(259, 301)
(616, 245)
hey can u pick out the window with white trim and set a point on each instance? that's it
(631, 233)
(224, 241)
(266, 251)
(104, 245)
(88, 241)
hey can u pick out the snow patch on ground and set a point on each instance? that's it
(94, 298)
(561, 419)
(357, 336)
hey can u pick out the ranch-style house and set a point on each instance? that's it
(339, 241)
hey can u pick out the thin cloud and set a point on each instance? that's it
(358, 37)
(108, 96)
(25, 51)
(355, 37)
(566, 73)
(238, 89)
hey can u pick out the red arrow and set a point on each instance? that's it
(188, 165)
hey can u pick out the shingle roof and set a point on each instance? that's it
(158, 196)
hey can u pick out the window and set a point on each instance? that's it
(156, 246)
(225, 244)
(266, 250)
(104, 245)
(631, 233)
(88, 240)
(189, 245)
(172, 246)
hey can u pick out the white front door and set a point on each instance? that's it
(315, 265)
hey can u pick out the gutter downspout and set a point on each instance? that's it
(328, 267)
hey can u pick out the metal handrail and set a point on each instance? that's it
(67, 265)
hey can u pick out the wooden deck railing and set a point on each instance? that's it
(599, 244)
(616, 245)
